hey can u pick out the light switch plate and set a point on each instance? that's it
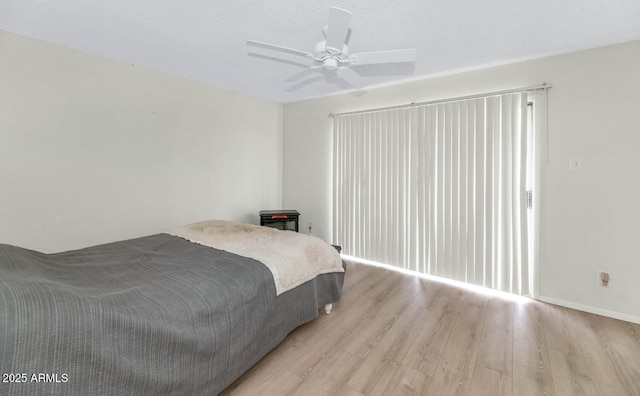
(575, 164)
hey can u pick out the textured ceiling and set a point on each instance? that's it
(205, 40)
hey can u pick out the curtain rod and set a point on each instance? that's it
(544, 86)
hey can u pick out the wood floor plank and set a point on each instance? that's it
(346, 391)
(373, 366)
(496, 345)
(565, 353)
(284, 383)
(407, 381)
(634, 332)
(625, 350)
(431, 339)
(487, 381)
(394, 334)
(615, 348)
(594, 351)
(328, 376)
(377, 385)
(406, 342)
(428, 292)
(532, 369)
(454, 372)
(575, 382)
(374, 327)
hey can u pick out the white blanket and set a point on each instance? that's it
(293, 258)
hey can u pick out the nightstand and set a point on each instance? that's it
(280, 219)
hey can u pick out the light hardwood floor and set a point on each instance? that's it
(395, 334)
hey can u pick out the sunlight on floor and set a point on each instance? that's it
(468, 286)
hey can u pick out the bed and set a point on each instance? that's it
(164, 314)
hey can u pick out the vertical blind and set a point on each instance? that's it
(438, 189)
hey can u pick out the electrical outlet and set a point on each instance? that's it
(604, 278)
(575, 164)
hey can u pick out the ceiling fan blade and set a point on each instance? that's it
(281, 60)
(304, 83)
(353, 78)
(392, 56)
(301, 74)
(278, 48)
(337, 28)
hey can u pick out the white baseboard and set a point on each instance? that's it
(593, 310)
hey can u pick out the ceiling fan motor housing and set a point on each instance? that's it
(329, 57)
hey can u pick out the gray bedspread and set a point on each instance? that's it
(156, 315)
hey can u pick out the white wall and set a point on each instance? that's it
(94, 150)
(590, 219)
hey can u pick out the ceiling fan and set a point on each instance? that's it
(332, 54)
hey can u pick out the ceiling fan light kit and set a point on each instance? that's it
(332, 54)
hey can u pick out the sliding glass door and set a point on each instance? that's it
(442, 189)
